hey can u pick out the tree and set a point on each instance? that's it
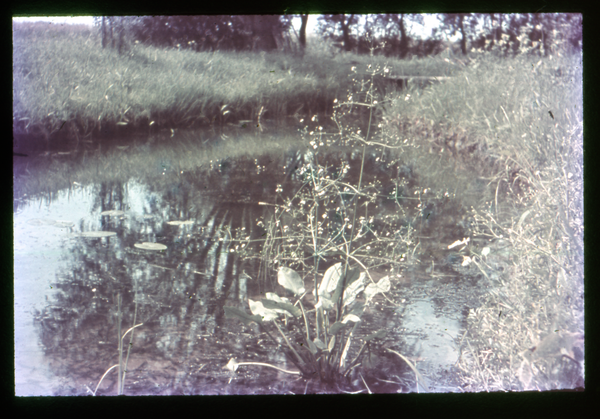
(208, 33)
(464, 23)
(328, 28)
(394, 31)
(113, 31)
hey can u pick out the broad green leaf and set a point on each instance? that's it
(311, 347)
(325, 301)
(279, 307)
(275, 297)
(236, 313)
(290, 280)
(257, 308)
(354, 288)
(344, 282)
(383, 285)
(377, 335)
(358, 308)
(319, 344)
(331, 278)
(331, 344)
(336, 327)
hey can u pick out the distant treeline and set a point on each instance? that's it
(541, 33)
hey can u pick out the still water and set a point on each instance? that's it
(75, 294)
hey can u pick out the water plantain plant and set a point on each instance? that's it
(327, 338)
(321, 222)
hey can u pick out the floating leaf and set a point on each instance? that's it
(112, 213)
(65, 224)
(96, 234)
(290, 280)
(258, 309)
(383, 285)
(281, 307)
(377, 335)
(40, 222)
(150, 246)
(180, 223)
(236, 313)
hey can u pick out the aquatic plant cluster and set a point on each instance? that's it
(321, 222)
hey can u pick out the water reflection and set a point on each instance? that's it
(207, 220)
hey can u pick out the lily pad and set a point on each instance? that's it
(112, 213)
(97, 234)
(62, 224)
(150, 246)
(41, 222)
(180, 223)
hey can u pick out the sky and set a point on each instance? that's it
(430, 22)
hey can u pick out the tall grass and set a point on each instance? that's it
(66, 85)
(513, 128)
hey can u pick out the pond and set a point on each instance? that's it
(78, 292)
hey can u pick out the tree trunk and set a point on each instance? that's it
(346, 31)
(103, 32)
(403, 38)
(303, 31)
(463, 41)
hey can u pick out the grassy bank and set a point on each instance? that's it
(515, 126)
(66, 85)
